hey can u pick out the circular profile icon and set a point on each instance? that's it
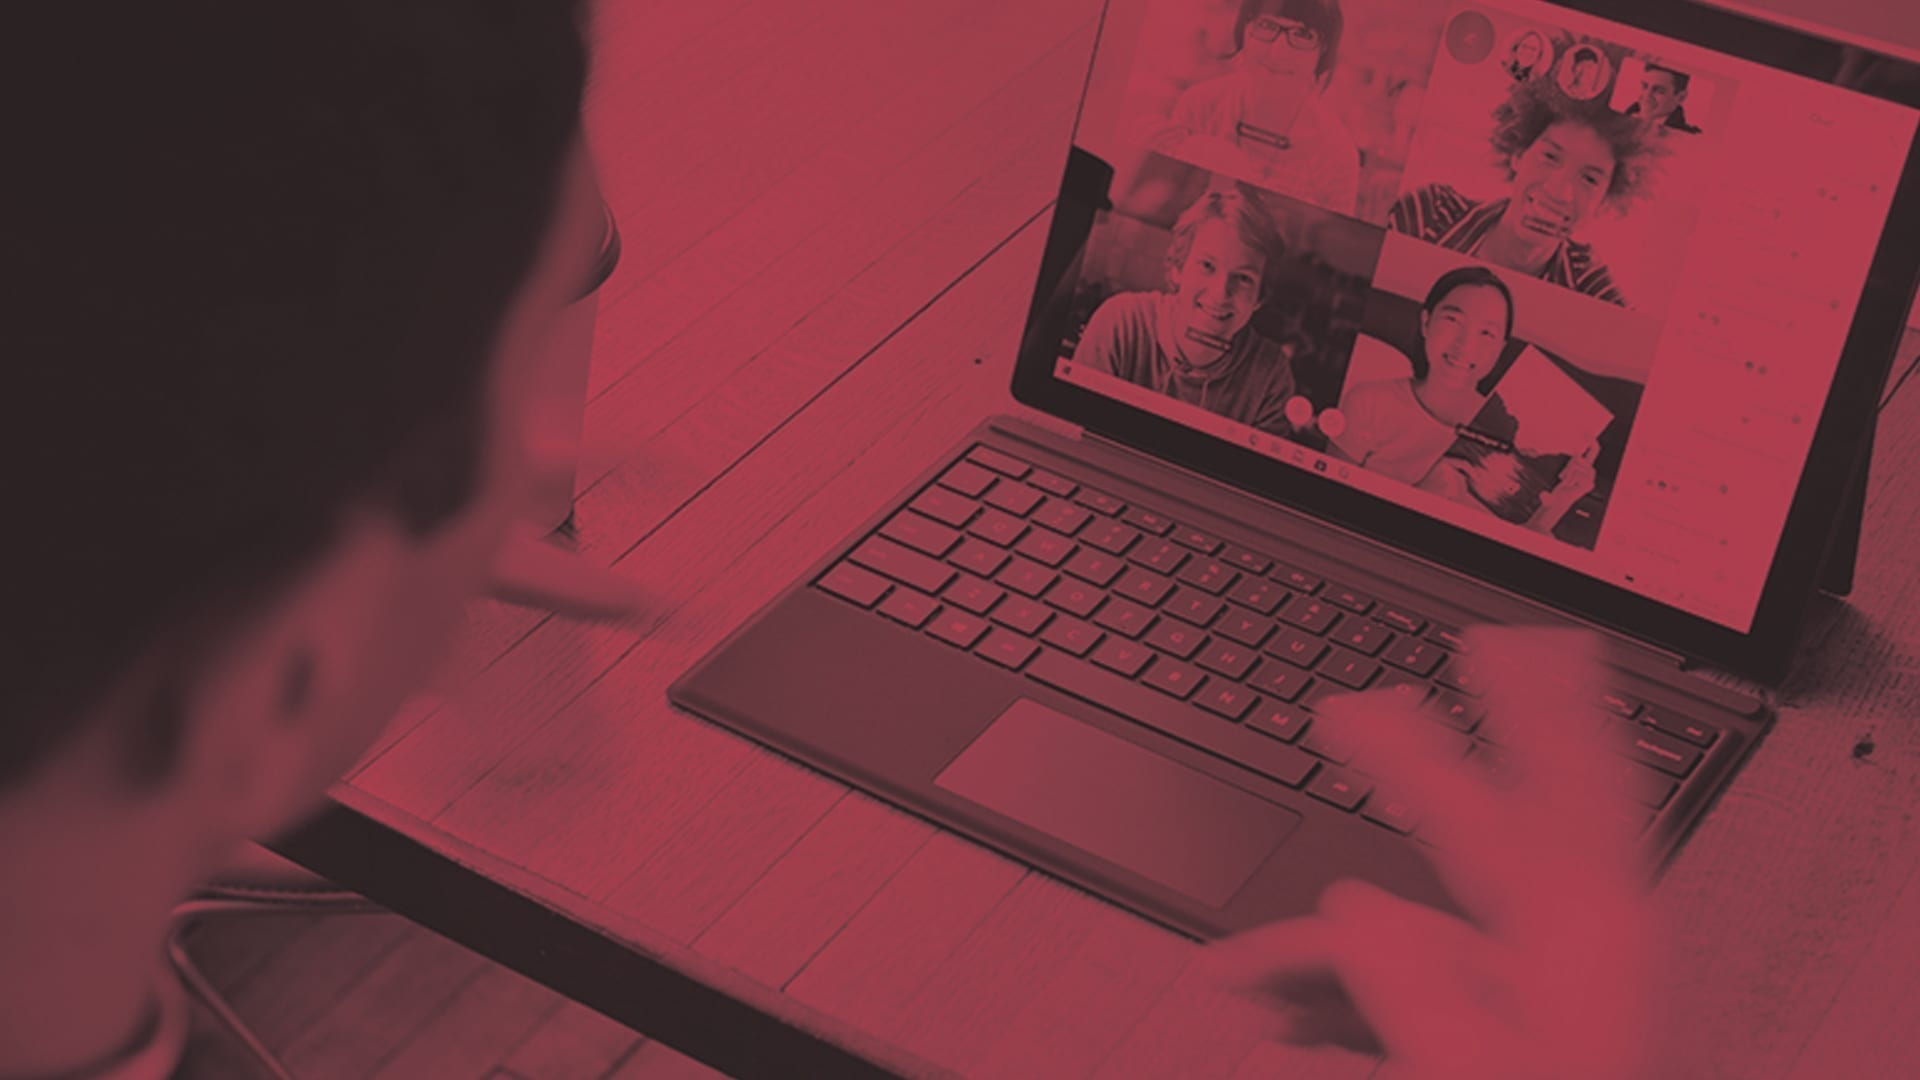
(1470, 37)
(1584, 73)
(1299, 412)
(1531, 54)
(1333, 423)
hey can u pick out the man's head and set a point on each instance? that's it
(1567, 159)
(1291, 37)
(1465, 323)
(280, 288)
(1219, 267)
(1662, 90)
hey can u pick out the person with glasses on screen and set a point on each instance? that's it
(1268, 120)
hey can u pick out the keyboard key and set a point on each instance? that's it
(1053, 485)
(1620, 704)
(1023, 615)
(1014, 497)
(1170, 676)
(1323, 740)
(1100, 502)
(1416, 656)
(1448, 635)
(1119, 654)
(1296, 647)
(921, 534)
(1463, 714)
(1280, 680)
(1147, 521)
(1363, 636)
(854, 584)
(1456, 676)
(969, 480)
(1351, 599)
(1401, 619)
(1075, 597)
(1227, 658)
(1094, 566)
(945, 507)
(1318, 691)
(1313, 616)
(1295, 578)
(998, 527)
(1175, 638)
(1403, 686)
(1494, 765)
(1277, 720)
(1163, 556)
(1339, 787)
(1660, 750)
(909, 607)
(978, 557)
(1123, 616)
(1209, 574)
(1201, 542)
(1244, 627)
(1026, 577)
(1673, 723)
(1392, 812)
(902, 564)
(1062, 516)
(1225, 699)
(1251, 561)
(1006, 648)
(1349, 669)
(1144, 586)
(1230, 742)
(1045, 547)
(1071, 635)
(1109, 536)
(958, 628)
(1194, 606)
(999, 462)
(972, 594)
(1644, 786)
(1259, 594)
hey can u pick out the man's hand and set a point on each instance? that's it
(1551, 974)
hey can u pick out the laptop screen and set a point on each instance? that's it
(1572, 287)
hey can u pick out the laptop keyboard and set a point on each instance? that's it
(1222, 647)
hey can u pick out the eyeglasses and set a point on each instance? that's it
(1267, 29)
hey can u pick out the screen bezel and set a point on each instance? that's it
(1840, 438)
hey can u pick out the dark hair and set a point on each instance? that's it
(1324, 16)
(1681, 80)
(1460, 278)
(264, 256)
(1534, 105)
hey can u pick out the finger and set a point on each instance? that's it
(1543, 688)
(531, 572)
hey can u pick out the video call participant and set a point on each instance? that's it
(1566, 161)
(1663, 99)
(1401, 427)
(1268, 120)
(1193, 342)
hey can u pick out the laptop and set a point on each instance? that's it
(1374, 320)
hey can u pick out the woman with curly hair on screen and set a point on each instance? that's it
(1566, 161)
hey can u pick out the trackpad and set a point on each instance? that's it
(1128, 805)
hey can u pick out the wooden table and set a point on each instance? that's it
(833, 214)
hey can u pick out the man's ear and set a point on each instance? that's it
(276, 713)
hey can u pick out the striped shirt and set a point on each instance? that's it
(1440, 215)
